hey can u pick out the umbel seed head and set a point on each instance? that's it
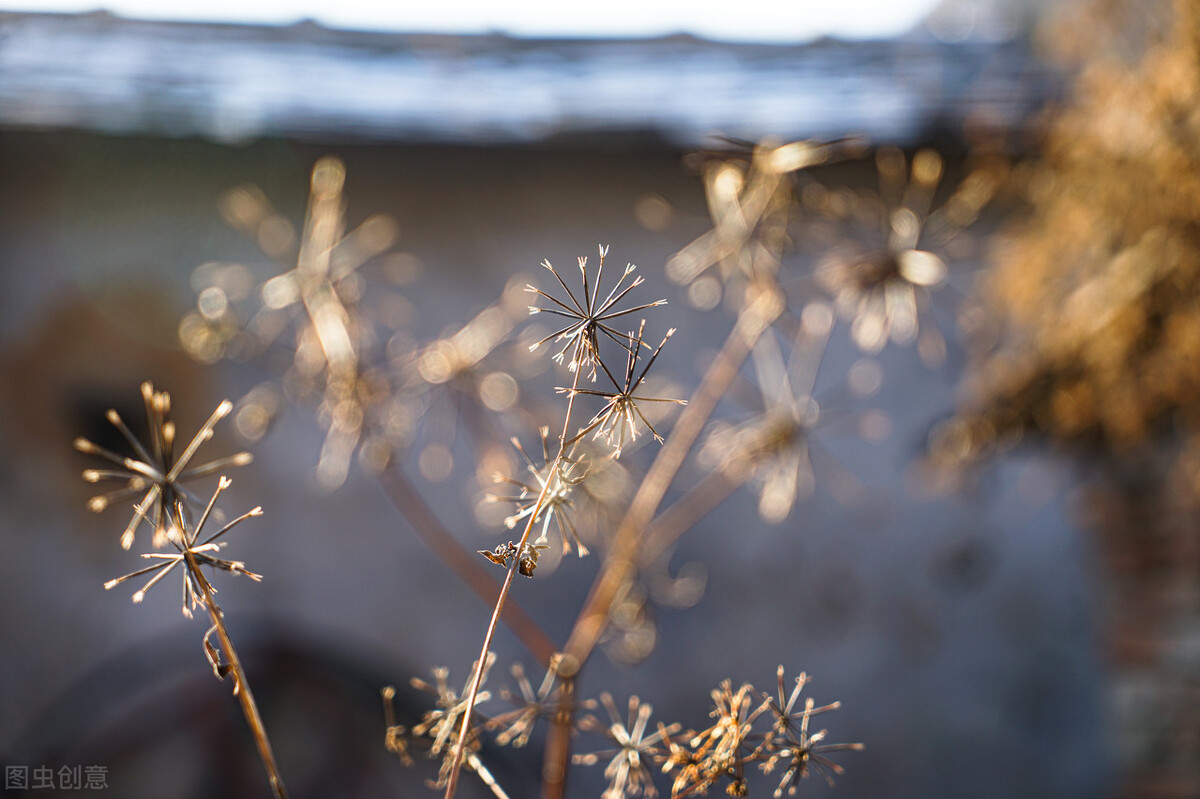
(155, 475)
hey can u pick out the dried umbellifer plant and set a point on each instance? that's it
(887, 254)
(619, 420)
(156, 472)
(166, 508)
(755, 195)
(369, 396)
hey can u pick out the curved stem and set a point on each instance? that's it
(241, 686)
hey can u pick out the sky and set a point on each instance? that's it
(744, 20)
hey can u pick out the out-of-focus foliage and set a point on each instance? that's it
(1093, 345)
(1097, 295)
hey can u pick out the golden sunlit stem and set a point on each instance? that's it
(241, 686)
(459, 748)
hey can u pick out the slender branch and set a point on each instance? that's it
(760, 310)
(241, 685)
(459, 747)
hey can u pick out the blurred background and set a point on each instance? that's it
(996, 569)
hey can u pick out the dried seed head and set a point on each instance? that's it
(587, 317)
(553, 482)
(154, 471)
(617, 421)
(189, 549)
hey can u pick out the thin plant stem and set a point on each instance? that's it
(241, 685)
(758, 313)
(472, 695)
(459, 748)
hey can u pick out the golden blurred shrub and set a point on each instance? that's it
(1095, 297)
